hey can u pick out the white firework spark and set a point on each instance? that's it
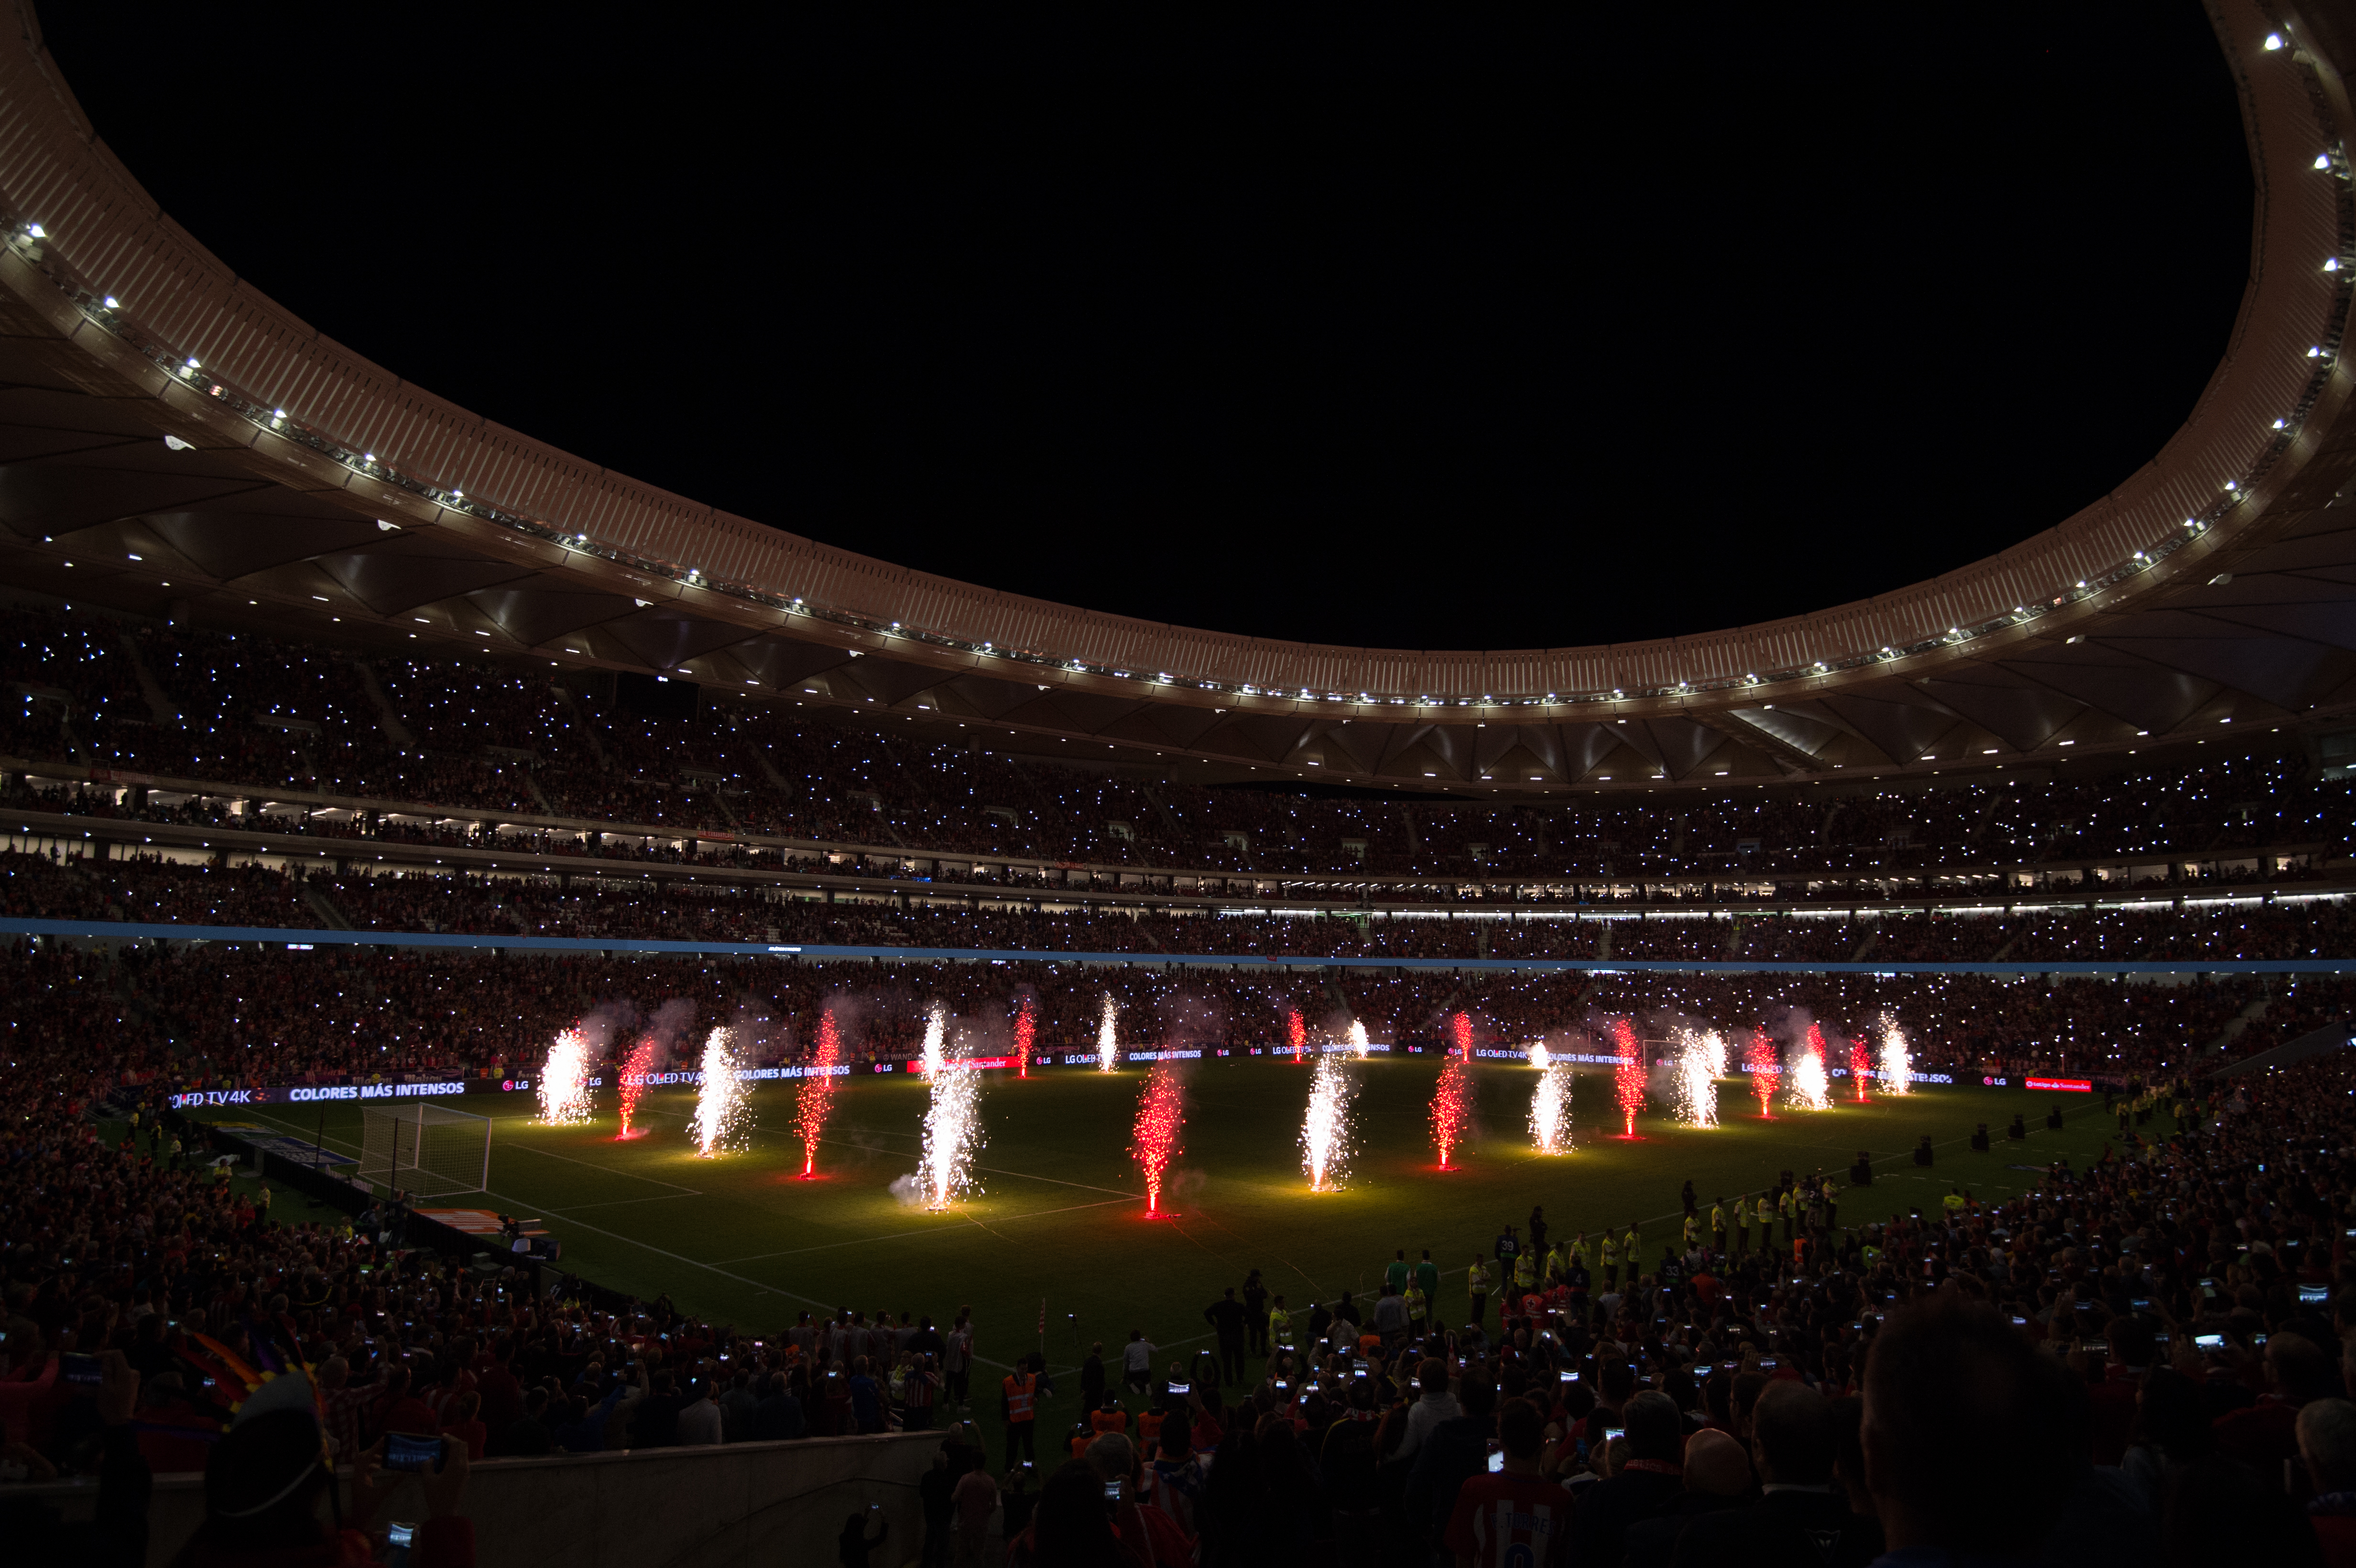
(1325, 1130)
(1550, 1104)
(564, 1080)
(1713, 1048)
(1108, 1047)
(1358, 1042)
(720, 1104)
(952, 1134)
(1696, 1086)
(1810, 1086)
(936, 1029)
(1897, 1061)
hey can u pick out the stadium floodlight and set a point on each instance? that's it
(113, 303)
(2273, 42)
(2323, 160)
(426, 1149)
(37, 231)
(2331, 264)
(176, 444)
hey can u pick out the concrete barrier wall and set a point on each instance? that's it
(745, 1503)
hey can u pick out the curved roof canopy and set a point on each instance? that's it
(184, 442)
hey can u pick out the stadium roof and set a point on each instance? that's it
(190, 448)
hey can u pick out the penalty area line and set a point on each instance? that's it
(713, 1268)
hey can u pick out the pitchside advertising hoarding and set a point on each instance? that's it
(438, 1088)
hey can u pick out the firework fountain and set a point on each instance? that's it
(1451, 1106)
(719, 1104)
(1550, 1103)
(1359, 1044)
(816, 1097)
(1161, 1115)
(1325, 1130)
(1897, 1061)
(1108, 1047)
(1860, 1070)
(952, 1134)
(565, 1079)
(1760, 1060)
(1810, 1086)
(1696, 1085)
(1460, 1035)
(1026, 1030)
(937, 1035)
(1628, 1077)
(631, 1084)
(1296, 1032)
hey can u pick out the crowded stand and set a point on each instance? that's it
(274, 891)
(247, 711)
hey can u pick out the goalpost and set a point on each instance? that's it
(426, 1149)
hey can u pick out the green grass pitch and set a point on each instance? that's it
(1060, 1216)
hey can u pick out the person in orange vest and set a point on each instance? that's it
(1150, 1420)
(1018, 1406)
(1109, 1418)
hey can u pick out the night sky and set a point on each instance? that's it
(1442, 334)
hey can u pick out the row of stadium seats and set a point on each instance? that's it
(146, 887)
(249, 713)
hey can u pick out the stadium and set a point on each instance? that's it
(498, 945)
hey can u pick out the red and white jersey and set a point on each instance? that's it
(1511, 1521)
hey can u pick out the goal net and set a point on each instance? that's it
(426, 1149)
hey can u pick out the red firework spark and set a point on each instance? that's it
(633, 1085)
(817, 1094)
(1026, 1025)
(1758, 1060)
(1628, 1078)
(1296, 1033)
(1451, 1106)
(1160, 1113)
(1860, 1067)
(1460, 1035)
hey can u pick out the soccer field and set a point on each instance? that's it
(1061, 1216)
